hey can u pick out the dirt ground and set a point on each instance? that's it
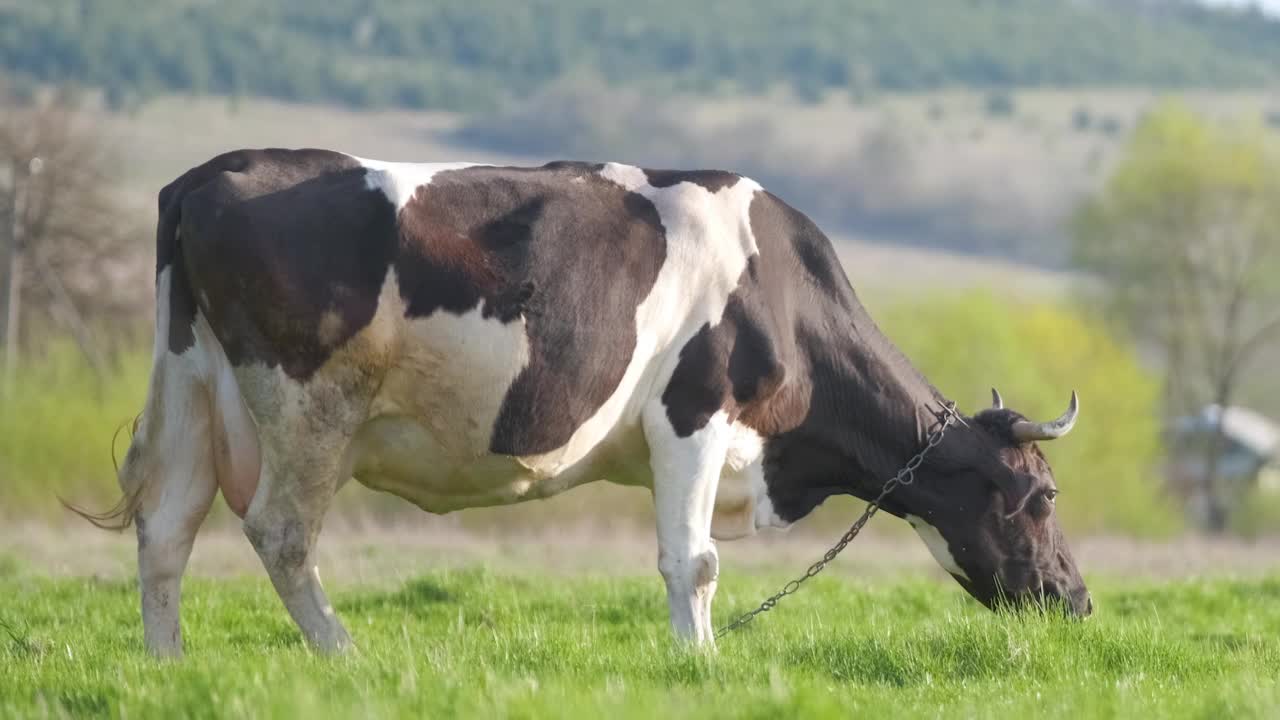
(389, 554)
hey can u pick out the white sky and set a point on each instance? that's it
(1271, 6)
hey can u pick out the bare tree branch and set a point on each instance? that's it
(68, 225)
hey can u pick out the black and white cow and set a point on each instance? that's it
(465, 335)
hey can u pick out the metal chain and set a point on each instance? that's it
(905, 476)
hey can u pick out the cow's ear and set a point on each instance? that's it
(1016, 490)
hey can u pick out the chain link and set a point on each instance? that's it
(904, 477)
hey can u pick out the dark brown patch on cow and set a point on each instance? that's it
(790, 290)
(283, 243)
(735, 365)
(710, 180)
(803, 251)
(182, 311)
(559, 246)
(182, 305)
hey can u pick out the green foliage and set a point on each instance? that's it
(1035, 355)
(472, 643)
(56, 430)
(1178, 173)
(472, 54)
(1257, 514)
(1186, 238)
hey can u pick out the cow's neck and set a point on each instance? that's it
(870, 412)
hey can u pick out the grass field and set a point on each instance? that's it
(516, 626)
(485, 640)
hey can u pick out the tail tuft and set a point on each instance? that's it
(133, 430)
(120, 516)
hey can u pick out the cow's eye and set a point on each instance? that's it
(1051, 495)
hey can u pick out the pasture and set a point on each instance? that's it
(576, 624)
(496, 632)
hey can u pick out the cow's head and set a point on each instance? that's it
(986, 510)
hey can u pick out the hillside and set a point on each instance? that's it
(168, 136)
(934, 171)
(458, 55)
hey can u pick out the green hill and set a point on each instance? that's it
(461, 55)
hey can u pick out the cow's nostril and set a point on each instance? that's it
(1088, 604)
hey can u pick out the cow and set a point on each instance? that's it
(466, 335)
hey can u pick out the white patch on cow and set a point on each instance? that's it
(708, 242)
(628, 176)
(742, 499)
(164, 283)
(686, 472)
(938, 546)
(236, 452)
(430, 424)
(452, 372)
(399, 181)
(745, 448)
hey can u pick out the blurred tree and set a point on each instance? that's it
(60, 227)
(1035, 354)
(1186, 238)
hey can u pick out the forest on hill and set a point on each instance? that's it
(474, 54)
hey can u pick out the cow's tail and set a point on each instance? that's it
(194, 433)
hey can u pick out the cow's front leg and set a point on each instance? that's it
(686, 471)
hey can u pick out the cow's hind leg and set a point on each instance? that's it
(283, 523)
(169, 470)
(305, 431)
(686, 472)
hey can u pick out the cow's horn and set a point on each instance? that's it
(1027, 431)
(997, 402)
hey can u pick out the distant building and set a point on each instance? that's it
(1250, 456)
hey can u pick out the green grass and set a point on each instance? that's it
(473, 643)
